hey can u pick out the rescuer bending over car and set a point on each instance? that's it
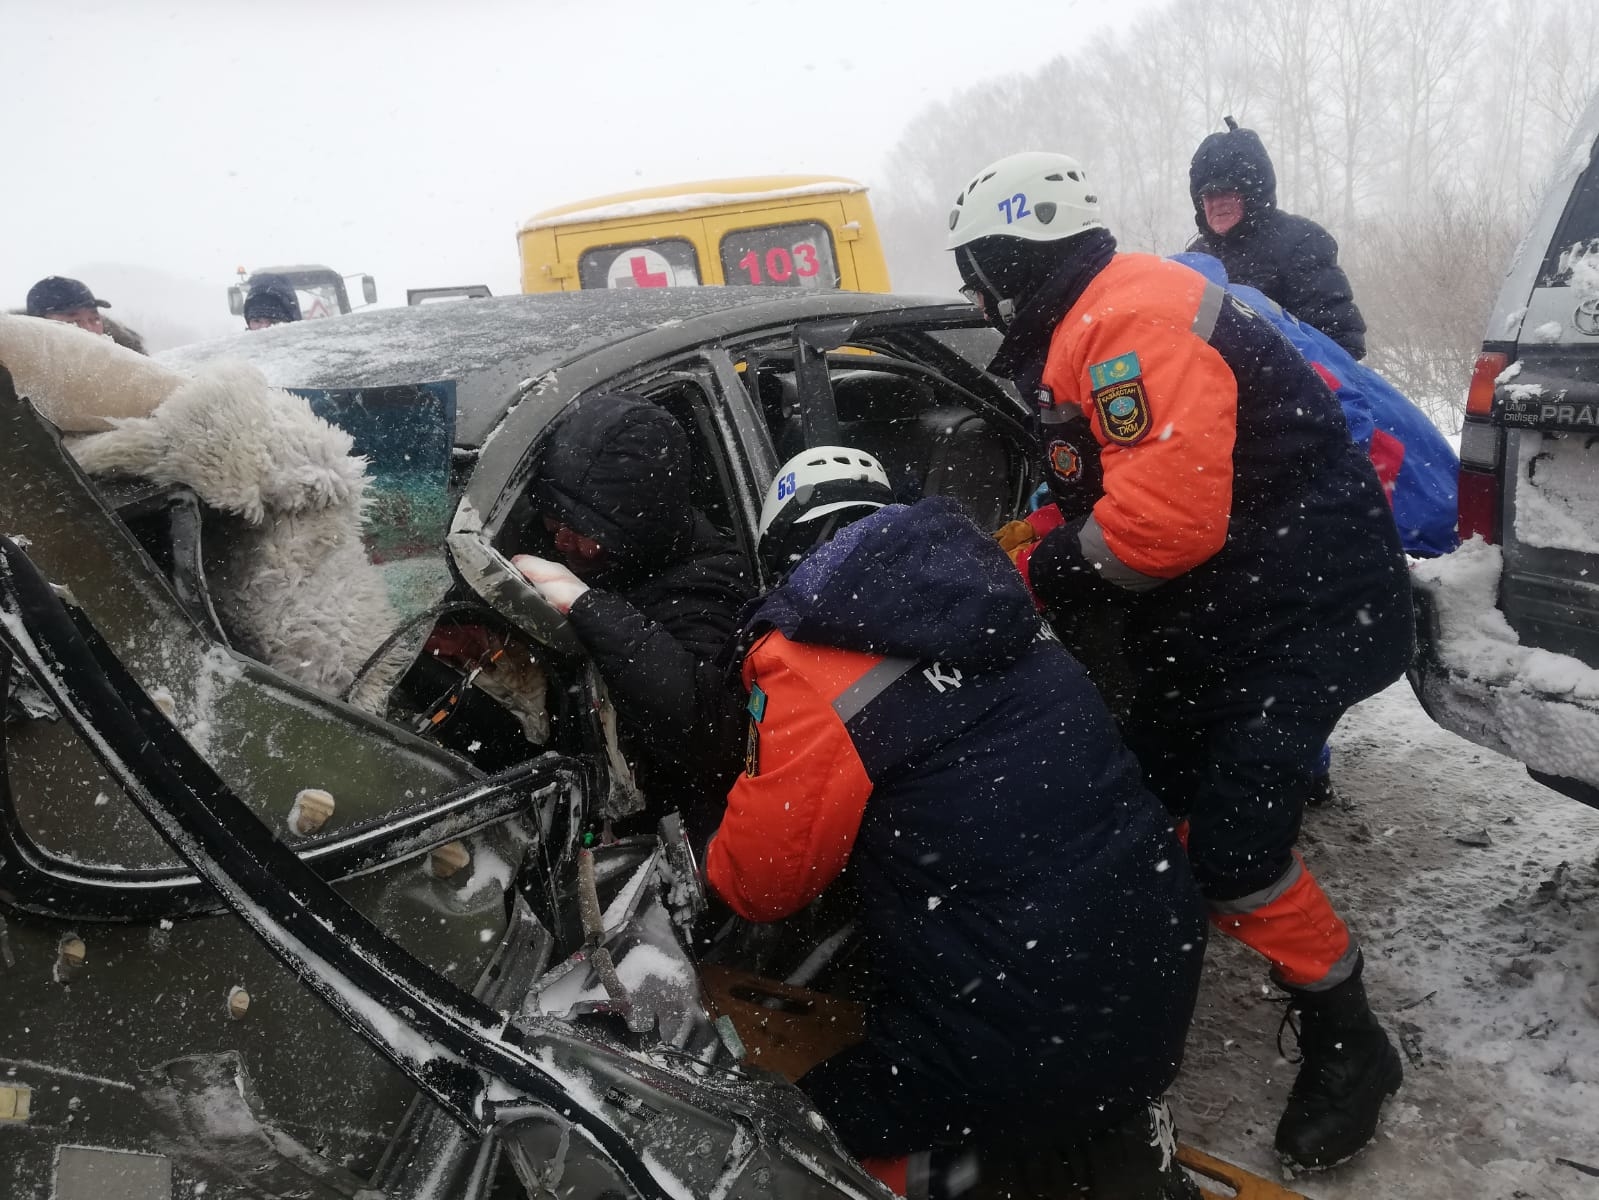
(1034, 934)
(651, 587)
(1206, 482)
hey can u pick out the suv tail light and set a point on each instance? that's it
(1486, 372)
(1480, 448)
(1478, 506)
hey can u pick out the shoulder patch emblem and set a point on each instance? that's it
(1116, 370)
(752, 750)
(756, 705)
(1064, 461)
(1123, 412)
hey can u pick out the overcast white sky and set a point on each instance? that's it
(408, 139)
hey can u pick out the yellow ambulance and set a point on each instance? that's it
(797, 231)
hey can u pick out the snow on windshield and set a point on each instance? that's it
(487, 346)
(396, 345)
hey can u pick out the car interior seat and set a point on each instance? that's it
(969, 461)
(928, 446)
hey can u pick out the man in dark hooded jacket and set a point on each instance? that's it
(1291, 259)
(652, 589)
(1034, 932)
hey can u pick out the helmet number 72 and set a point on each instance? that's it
(1014, 208)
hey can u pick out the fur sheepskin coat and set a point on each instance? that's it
(295, 589)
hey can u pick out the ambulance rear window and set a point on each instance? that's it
(664, 262)
(795, 255)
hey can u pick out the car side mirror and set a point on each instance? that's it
(236, 301)
(369, 289)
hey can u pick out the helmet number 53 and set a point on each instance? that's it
(1014, 208)
(785, 486)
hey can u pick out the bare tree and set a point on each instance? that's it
(1360, 49)
(1428, 286)
(1419, 131)
(1436, 39)
(1568, 61)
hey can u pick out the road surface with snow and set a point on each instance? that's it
(1475, 892)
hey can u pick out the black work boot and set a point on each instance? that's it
(1349, 1068)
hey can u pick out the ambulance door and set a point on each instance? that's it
(793, 244)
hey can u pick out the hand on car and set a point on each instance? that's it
(551, 580)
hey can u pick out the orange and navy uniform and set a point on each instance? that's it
(1032, 927)
(1415, 464)
(1207, 483)
(792, 818)
(1216, 451)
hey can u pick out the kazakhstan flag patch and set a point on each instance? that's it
(1116, 370)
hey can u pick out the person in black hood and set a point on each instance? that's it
(652, 589)
(1290, 258)
(1034, 933)
(271, 301)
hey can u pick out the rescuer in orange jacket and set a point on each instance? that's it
(1206, 483)
(1034, 933)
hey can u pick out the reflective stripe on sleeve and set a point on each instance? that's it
(869, 687)
(1091, 538)
(1209, 311)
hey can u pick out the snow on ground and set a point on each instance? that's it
(1475, 892)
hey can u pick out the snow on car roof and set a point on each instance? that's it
(487, 346)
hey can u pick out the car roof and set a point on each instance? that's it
(489, 347)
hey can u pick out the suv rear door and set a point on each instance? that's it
(1548, 405)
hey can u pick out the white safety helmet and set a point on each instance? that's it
(1034, 195)
(814, 494)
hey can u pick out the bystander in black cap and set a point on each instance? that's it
(57, 293)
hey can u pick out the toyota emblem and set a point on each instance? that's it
(1586, 318)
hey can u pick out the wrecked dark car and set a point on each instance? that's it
(260, 938)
